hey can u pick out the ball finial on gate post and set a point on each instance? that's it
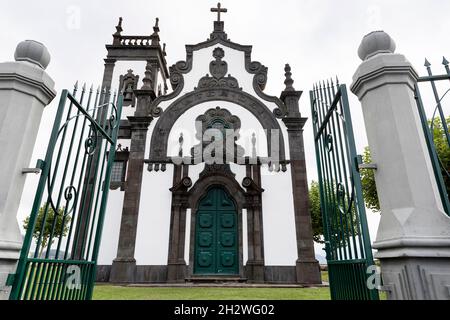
(375, 43)
(34, 52)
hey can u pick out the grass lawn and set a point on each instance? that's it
(107, 292)
(325, 277)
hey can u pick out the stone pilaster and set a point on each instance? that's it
(25, 89)
(308, 270)
(255, 235)
(108, 73)
(123, 267)
(307, 267)
(176, 264)
(413, 238)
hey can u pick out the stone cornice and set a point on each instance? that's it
(139, 123)
(28, 84)
(110, 61)
(413, 247)
(287, 93)
(295, 124)
(145, 93)
(380, 70)
(10, 250)
(138, 52)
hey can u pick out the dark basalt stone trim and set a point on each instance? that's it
(222, 179)
(253, 67)
(294, 123)
(190, 48)
(138, 52)
(236, 193)
(280, 274)
(259, 83)
(158, 274)
(142, 274)
(160, 134)
(152, 274)
(103, 273)
(177, 83)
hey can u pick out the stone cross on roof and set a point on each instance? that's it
(218, 10)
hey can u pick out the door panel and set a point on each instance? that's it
(216, 239)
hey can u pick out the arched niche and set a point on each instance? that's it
(185, 126)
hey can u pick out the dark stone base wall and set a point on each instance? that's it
(158, 274)
(103, 273)
(152, 274)
(144, 274)
(280, 274)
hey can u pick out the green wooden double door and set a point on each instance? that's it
(216, 235)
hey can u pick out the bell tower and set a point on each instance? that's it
(134, 128)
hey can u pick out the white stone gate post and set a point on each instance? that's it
(25, 89)
(413, 239)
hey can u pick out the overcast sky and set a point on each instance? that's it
(318, 38)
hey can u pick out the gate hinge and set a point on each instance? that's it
(40, 164)
(10, 279)
(362, 165)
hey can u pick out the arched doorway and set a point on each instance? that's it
(216, 235)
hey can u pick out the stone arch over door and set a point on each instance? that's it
(267, 119)
(197, 193)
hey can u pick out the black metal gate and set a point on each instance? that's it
(347, 240)
(59, 264)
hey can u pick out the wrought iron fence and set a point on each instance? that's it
(434, 126)
(55, 262)
(346, 233)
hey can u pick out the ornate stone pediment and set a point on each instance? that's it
(218, 68)
(231, 76)
(217, 77)
(161, 132)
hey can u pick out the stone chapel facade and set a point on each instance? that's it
(181, 217)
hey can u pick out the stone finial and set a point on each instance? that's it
(289, 81)
(180, 143)
(156, 26)
(254, 145)
(155, 34)
(374, 43)
(219, 10)
(33, 52)
(119, 27)
(148, 79)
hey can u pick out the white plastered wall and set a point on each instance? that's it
(154, 214)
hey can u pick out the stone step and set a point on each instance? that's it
(216, 279)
